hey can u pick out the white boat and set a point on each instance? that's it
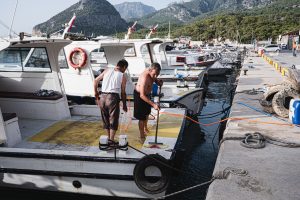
(102, 54)
(45, 147)
(218, 69)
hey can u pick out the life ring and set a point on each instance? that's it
(152, 184)
(77, 58)
(281, 101)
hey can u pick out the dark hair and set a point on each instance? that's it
(155, 66)
(122, 63)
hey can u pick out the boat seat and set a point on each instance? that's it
(8, 116)
(11, 130)
(26, 95)
(30, 105)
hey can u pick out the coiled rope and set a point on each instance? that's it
(257, 141)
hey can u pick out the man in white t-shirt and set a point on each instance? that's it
(113, 87)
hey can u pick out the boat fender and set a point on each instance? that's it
(146, 184)
(81, 60)
(281, 101)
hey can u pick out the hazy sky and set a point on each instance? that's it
(32, 12)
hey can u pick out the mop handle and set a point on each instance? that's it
(157, 119)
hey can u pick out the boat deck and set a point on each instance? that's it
(82, 134)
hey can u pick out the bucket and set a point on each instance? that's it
(294, 111)
(155, 89)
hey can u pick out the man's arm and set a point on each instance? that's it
(123, 92)
(143, 95)
(96, 82)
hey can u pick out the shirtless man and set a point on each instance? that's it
(142, 102)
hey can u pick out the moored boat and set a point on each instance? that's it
(45, 147)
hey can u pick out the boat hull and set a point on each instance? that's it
(83, 175)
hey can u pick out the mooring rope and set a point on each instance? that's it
(167, 165)
(257, 141)
(217, 176)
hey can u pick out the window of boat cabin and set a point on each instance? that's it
(130, 52)
(24, 60)
(98, 57)
(62, 61)
(146, 55)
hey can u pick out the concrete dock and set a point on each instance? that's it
(273, 171)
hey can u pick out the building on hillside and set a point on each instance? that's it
(288, 39)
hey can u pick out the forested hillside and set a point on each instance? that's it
(260, 23)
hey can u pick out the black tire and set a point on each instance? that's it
(268, 96)
(290, 84)
(266, 106)
(281, 101)
(159, 184)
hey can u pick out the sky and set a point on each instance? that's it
(32, 12)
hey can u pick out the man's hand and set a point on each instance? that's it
(125, 108)
(156, 107)
(97, 96)
(159, 82)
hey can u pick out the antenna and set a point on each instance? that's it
(169, 34)
(4, 25)
(12, 22)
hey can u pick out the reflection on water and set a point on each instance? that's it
(202, 141)
(199, 142)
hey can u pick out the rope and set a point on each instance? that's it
(265, 113)
(257, 141)
(221, 111)
(230, 118)
(184, 190)
(218, 175)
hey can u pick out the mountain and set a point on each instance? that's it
(96, 17)
(259, 22)
(133, 10)
(187, 11)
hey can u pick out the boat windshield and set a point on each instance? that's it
(24, 60)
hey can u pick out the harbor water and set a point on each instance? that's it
(200, 143)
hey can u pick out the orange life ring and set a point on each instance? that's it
(77, 58)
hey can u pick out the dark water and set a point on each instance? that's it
(200, 143)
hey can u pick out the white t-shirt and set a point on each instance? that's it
(112, 81)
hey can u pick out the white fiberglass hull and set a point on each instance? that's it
(73, 174)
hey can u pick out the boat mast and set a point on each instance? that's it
(13, 19)
(169, 34)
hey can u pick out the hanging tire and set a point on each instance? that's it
(281, 101)
(152, 184)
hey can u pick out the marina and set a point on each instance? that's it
(266, 167)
